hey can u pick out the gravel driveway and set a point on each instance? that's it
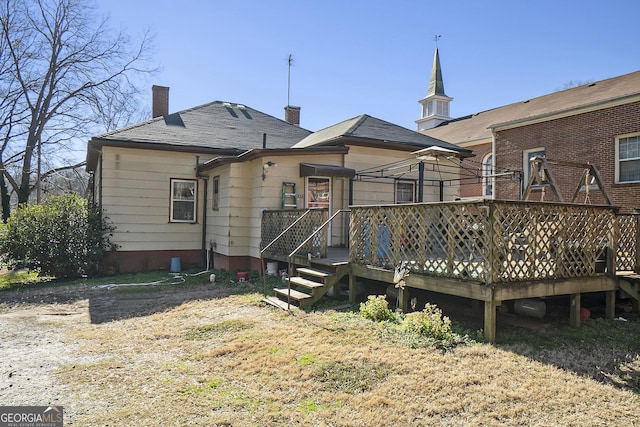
(36, 330)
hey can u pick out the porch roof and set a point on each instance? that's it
(312, 169)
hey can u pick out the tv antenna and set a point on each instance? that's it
(290, 60)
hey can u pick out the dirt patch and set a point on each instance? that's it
(38, 326)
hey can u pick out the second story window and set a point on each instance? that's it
(628, 158)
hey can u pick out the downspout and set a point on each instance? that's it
(205, 179)
(99, 184)
(493, 164)
(421, 182)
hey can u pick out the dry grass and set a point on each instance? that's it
(232, 361)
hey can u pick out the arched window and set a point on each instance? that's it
(487, 175)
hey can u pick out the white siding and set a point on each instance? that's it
(136, 198)
(236, 226)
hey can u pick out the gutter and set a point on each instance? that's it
(559, 114)
(277, 152)
(204, 211)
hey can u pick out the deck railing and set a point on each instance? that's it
(282, 239)
(488, 241)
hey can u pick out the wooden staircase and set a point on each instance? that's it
(309, 285)
(630, 284)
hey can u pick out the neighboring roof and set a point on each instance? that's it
(371, 131)
(476, 127)
(215, 126)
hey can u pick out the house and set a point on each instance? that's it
(194, 184)
(593, 124)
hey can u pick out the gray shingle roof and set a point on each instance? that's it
(372, 130)
(218, 124)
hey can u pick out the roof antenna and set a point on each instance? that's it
(436, 38)
(289, 80)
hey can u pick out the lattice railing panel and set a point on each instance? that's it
(274, 222)
(626, 256)
(442, 240)
(550, 241)
(490, 241)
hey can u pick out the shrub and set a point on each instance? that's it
(376, 308)
(64, 237)
(429, 322)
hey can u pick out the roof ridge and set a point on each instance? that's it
(361, 119)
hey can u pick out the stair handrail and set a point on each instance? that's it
(278, 237)
(290, 258)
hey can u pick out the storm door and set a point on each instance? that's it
(318, 195)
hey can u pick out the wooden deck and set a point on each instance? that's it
(490, 251)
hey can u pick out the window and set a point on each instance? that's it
(405, 192)
(526, 160)
(318, 192)
(183, 200)
(216, 193)
(628, 158)
(487, 178)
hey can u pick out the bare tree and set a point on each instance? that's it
(573, 83)
(65, 68)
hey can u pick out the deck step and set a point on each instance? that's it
(313, 272)
(276, 302)
(295, 295)
(305, 283)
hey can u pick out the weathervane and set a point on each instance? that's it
(436, 38)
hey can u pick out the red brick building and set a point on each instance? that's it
(592, 124)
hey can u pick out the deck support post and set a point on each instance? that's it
(610, 309)
(352, 288)
(403, 299)
(490, 314)
(574, 310)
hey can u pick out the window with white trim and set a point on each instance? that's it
(405, 192)
(628, 158)
(487, 178)
(183, 200)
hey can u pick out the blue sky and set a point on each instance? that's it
(354, 57)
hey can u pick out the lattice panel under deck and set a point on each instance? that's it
(626, 254)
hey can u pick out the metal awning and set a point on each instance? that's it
(313, 169)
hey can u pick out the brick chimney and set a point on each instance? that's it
(159, 101)
(292, 115)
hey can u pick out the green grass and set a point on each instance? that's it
(23, 279)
